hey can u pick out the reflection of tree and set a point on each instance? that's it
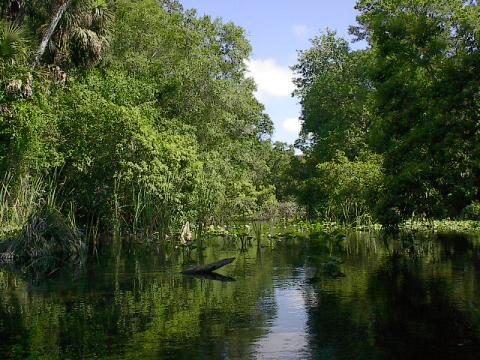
(10, 313)
(409, 297)
(415, 316)
(336, 329)
(412, 297)
(124, 308)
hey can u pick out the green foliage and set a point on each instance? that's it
(342, 190)
(472, 211)
(412, 97)
(154, 124)
(281, 161)
(424, 70)
(29, 133)
(335, 93)
(13, 44)
(111, 149)
(81, 36)
(336, 176)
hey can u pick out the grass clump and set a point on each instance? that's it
(38, 237)
(46, 242)
(19, 199)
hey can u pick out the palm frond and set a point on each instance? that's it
(83, 34)
(13, 43)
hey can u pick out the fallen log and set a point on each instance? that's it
(209, 268)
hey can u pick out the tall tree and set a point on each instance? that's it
(335, 92)
(336, 95)
(427, 73)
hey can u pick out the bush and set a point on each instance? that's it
(472, 211)
(343, 190)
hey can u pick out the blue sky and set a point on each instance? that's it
(277, 29)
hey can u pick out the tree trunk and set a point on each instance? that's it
(51, 29)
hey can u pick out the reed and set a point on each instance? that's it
(141, 210)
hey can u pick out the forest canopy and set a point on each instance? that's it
(400, 119)
(140, 110)
(139, 115)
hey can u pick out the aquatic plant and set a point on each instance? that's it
(442, 226)
(328, 269)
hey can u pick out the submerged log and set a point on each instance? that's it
(209, 268)
(212, 276)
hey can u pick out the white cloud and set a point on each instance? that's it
(300, 29)
(292, 125)
(273, 80)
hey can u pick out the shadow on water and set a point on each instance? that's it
(415, 315)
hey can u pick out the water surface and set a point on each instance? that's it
(416, 297)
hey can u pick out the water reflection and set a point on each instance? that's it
(414, 297)
(211, 276)
(405, 299)
(286, 338)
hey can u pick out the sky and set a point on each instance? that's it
(277, 29)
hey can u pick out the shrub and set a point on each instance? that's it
(342, 190)
(46, 242)
(472, 211)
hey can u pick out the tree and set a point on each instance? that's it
(425, 71)
(335, 91)
(160, 126)
(336, 95)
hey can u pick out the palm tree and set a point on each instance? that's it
(86, 33)
(77, 33)
(13, 43)
(50, 31)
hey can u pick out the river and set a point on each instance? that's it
(413, 297)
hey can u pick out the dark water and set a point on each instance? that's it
(415, 298)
